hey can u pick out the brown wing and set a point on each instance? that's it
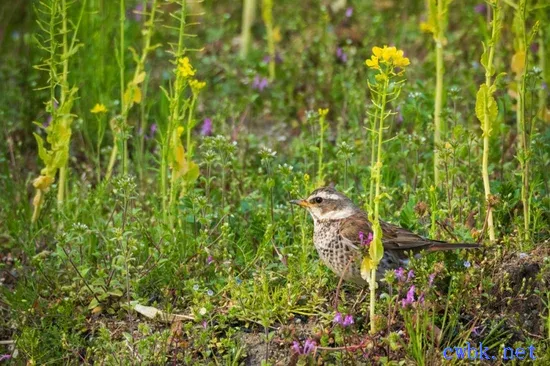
(393, 237)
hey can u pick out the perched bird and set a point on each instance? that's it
(338, 225)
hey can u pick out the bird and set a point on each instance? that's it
(339, 225)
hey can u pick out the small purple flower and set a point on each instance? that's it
(309, 346)
(338, 318)
(365, 242)
(210, 293)
(5, 357)
(259, 83)
(341, 55)
(399, 117)
(348, 320)
(400, 274)
(50, 117)
(206, 128)
(137, 13)
(421, 298)
(467, 264)
(204, 324)
(48, 121)
(152, 131)
(534, 47)
(410, 275)
(210, 259)
(481, 9)
(349, 12)
(296, 347)
(431, 279)
(409, 300)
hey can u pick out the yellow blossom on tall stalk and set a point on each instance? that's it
(390, 64)
(99, 108)
(387, 60)
(196, 86)
(185, 68)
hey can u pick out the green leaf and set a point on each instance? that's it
(484, 56)
(93, 304)
(486, 106)
(115, 292)
(192, 173)
(376, 249)
(44, 154)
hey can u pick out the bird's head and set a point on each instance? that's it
(326, 203)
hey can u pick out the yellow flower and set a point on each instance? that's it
(179, 131)
(323, 112)
(399, 60)
(388, 53)
(390, 56)
(373, 62)
(377, 51)
(185, 68)
(196, 86)
(98, 108)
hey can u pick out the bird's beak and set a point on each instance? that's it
(301, 203)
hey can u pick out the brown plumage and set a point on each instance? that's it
(337, 224)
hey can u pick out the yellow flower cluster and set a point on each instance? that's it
(185, 68)
(196, 86)
(323, 112)
(99, 108)
(390, 56)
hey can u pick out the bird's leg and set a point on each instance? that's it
(337, 295)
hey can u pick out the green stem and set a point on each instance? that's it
(487, 129)
(122, 68)
(167, 197)
(378, 176)
(373, 151)
(63, 99)
(39, 199)
(438, 89)
(523, 148)
(320, 178)
(249, 8)
(112, 159)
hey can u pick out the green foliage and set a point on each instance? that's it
(196, 220)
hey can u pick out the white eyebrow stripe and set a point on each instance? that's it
(328, 196)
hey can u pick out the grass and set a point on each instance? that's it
(176, 197)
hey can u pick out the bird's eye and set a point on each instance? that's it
(316, 200)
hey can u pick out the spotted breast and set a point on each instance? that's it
(335, 252)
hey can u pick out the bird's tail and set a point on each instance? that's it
(441, 245)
